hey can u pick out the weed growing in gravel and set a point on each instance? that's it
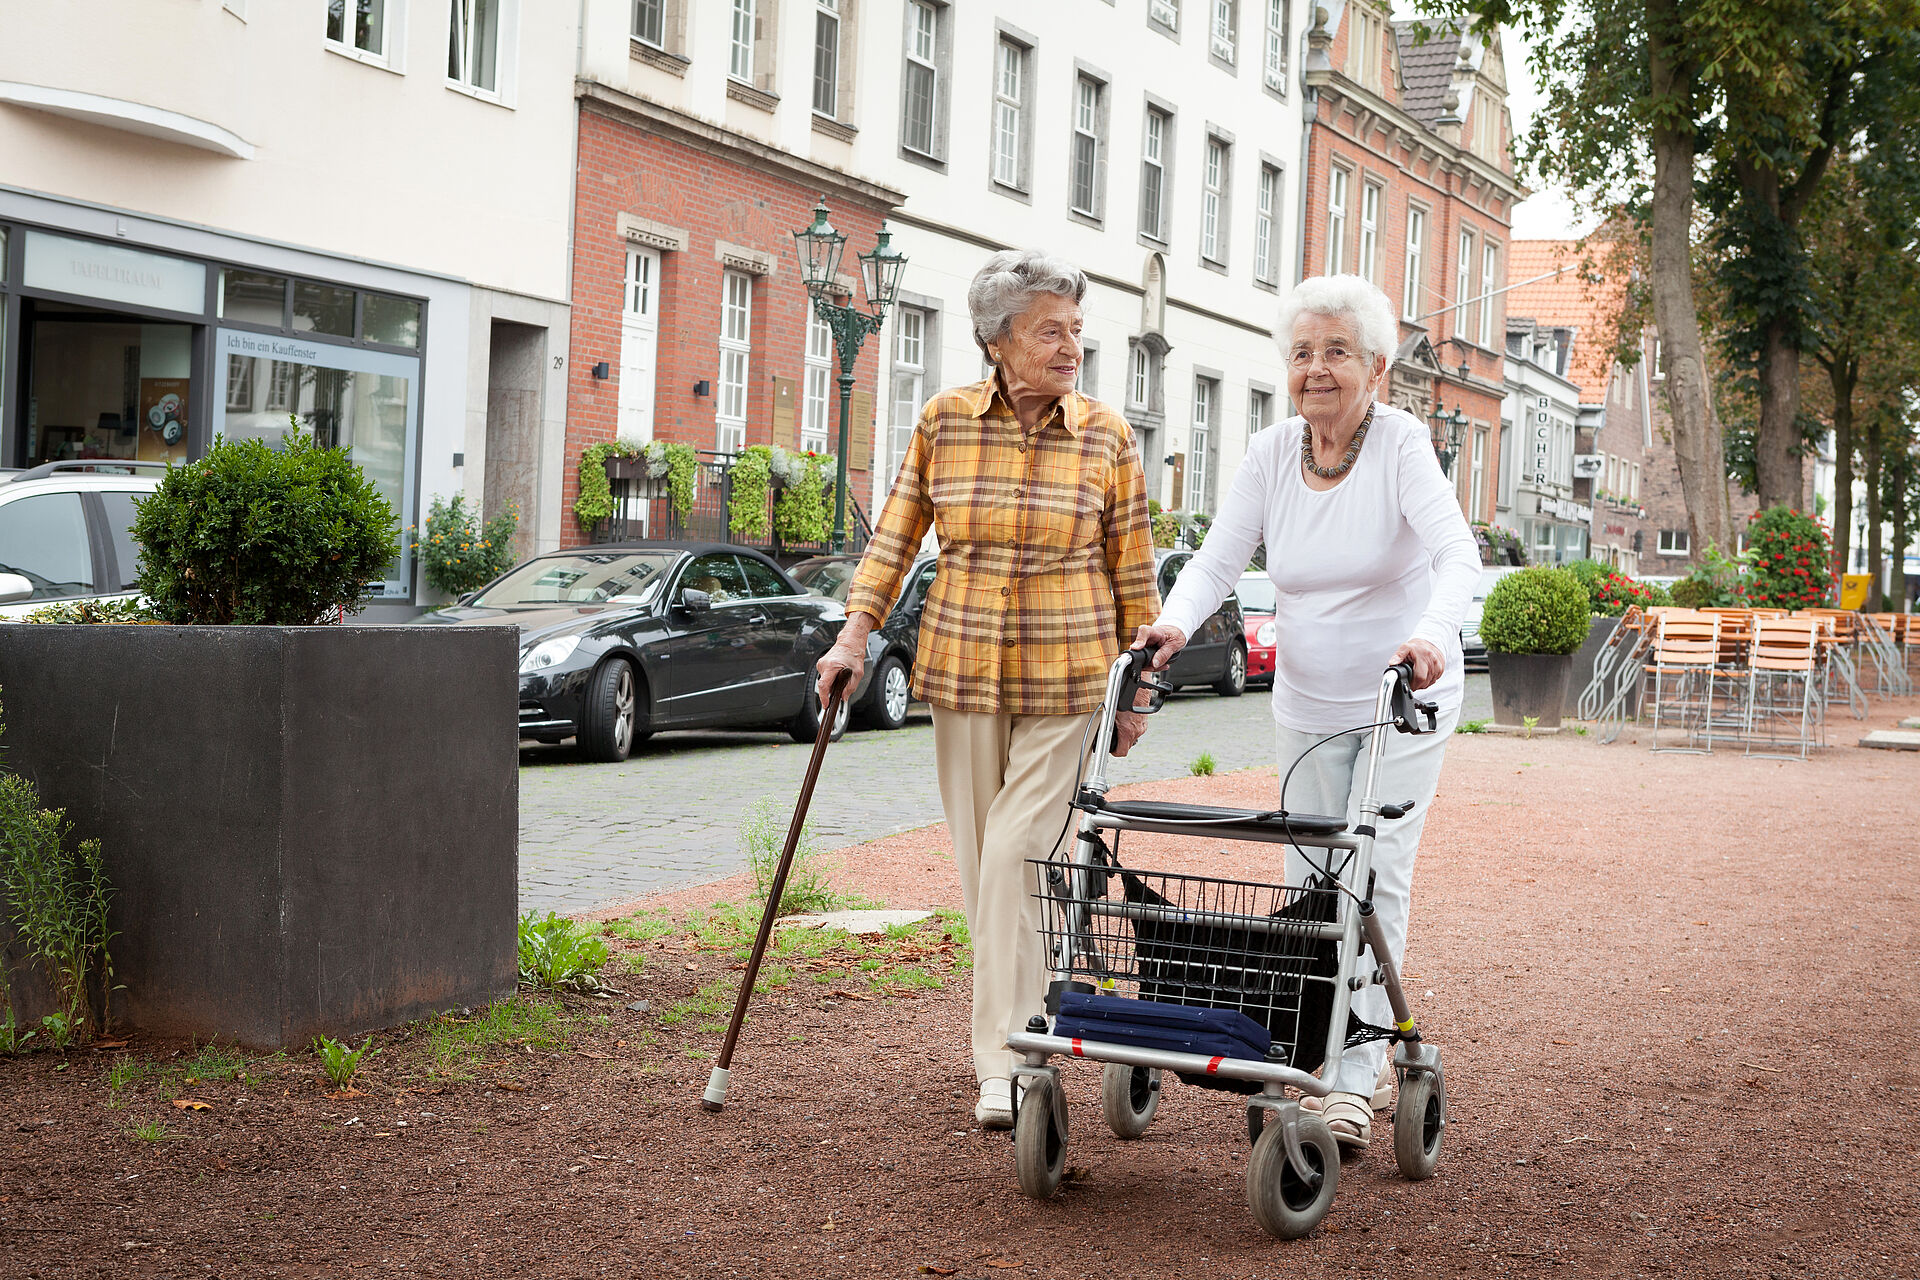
(1202, 766)
(710, 1001)
(458, 1043)
(1472, 726)
(212, 1062)
(763, 834)
(696, 1053)
(556, 952)
(149, 1131)
(340, 1060)
(640, 927)
(635, 963)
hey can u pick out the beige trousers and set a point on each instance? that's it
(1005, 782)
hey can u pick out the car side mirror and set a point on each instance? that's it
(694, 600)
(467, 599)
(14, 588)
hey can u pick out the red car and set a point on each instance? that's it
(1257, 605)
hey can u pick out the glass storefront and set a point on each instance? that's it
(113, 352)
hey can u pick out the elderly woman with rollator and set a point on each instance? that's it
(1373, 565)
(1036, 496)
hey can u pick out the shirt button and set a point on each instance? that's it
(1006, 591)
(1021, 446)
(1009, 644)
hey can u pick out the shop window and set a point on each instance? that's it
(322, 308)
(394, 322)
(253, 297)
(43, 538)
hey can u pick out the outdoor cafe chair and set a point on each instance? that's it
(1679, 678)
(1785, 656)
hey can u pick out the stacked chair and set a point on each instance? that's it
(1785, 654)
(1679, 676)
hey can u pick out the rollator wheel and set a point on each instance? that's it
(1419, 1123)
(1285, 1204)
(1039, 1141)
(1129, 1096)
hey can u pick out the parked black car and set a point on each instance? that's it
(1215, 655)
(622, 639)
(887, 685)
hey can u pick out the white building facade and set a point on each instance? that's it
(1537, 440)
(218, 218)
(1156, 144)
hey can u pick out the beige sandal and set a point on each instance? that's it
(1350, 1117)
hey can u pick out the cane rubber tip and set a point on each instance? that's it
(716, 1095)
(712, 1106)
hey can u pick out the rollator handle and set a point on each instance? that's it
(1405, 709)
(1135, 678)
(1401, 810)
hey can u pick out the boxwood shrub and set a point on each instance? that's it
(1536, 610)
(251, 534)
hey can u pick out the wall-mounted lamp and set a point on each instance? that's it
(1466, 371)
(1169, 459)
(601, 370)
(703, 388)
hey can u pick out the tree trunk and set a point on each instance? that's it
(1776, 444)
(1697, 447)
(1870, 448)
(1843, 373)
(1897, 571)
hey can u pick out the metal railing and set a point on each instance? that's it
(643, 509)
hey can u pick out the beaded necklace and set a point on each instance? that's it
(1346, 463)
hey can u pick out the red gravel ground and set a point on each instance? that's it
(1675, 995)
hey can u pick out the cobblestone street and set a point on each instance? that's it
(594, 834)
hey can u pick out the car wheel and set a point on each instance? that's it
(1234, 682)
(805, 726)
(610, 712)
(892, 690)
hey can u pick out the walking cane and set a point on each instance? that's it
(715, 1098)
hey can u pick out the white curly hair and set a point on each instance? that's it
(1351, 298)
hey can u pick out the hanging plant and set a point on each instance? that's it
(751, 483)
(803, 512)
(595, 502)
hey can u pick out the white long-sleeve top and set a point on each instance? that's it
(1383, 557)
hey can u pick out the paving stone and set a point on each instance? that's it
(1892, 740)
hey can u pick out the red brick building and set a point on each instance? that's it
(1409, 182)
(690, 319)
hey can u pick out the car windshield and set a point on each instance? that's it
(586, 577)
(1256, 594)
(829, 578)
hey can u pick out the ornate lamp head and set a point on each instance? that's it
(880, 272)
(820, 248)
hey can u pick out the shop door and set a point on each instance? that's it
(639, 344)
(104, 385)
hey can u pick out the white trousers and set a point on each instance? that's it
(1005, 783)
(1331, 781)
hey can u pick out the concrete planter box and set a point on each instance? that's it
(1599, 631)
(1528, 684)
(309, 829)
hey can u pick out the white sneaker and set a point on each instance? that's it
(995, 1108)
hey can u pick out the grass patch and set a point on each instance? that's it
(1202, 766)
(711, 1001)
(1472, 726)
(215, 1062)
(150, 1131)
(458, 1043)
(642, 926)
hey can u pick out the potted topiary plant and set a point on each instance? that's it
(269, 787)
(1534, 622)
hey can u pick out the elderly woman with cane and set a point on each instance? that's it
(1373, 564)
(1037, 498)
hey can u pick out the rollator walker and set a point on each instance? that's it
(1228, 984)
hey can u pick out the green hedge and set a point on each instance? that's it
(1536, 610)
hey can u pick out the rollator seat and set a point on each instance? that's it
(1226, 822)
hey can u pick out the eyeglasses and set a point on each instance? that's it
(1332, 356)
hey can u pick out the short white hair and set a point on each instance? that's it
(1010, 282)
(1351, 298)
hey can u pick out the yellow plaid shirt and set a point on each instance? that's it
(1046, 552)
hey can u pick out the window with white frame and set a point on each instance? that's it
(362, 28)
(473, 44)
(1259, 411)
(1086, 145)
(736, 351)
(1489, 281)
(1266, 205)
(1412, 291)
(1337, 183)
(282, 383)
(650, 22)
(1363, 45)
(1009, 113)
(1463, 285)
(1633, 482)
(1275, 72)
(1224, 37)
(1477, 484)
(240, 384)
(819, 377)
(1486, 125)
(922, 79)
(909, 382)
(740, 41)
(1675, 542)
(1213, 202)
(1201, 442)
(1088, 381)
(1153, 174)
(1369, 229)
(1165, 12)
(826, 58)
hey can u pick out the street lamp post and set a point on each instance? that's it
(1446, 436)
(880, 269)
